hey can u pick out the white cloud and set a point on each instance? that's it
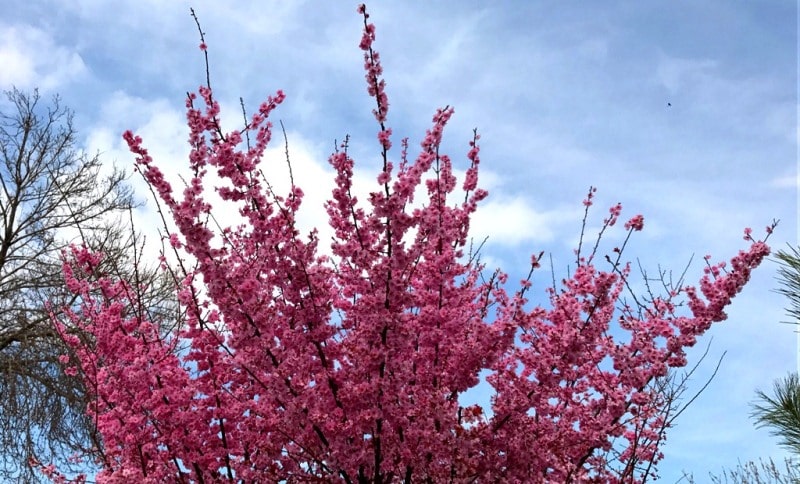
(264, 18)
(676, 73)
(31, 58)
(512, 221)
(787, 181)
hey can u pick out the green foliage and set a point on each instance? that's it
(780, 412)
(789, 277)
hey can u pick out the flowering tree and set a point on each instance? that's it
(296, 366)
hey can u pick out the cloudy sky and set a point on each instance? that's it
(683, 111)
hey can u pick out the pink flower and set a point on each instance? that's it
(174, 240)
(587, 202)
(635, 223)
(384, 137)
(614, 213)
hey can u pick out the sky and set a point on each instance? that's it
(683, 111)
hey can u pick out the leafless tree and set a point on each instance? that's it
(51, 194)
(754, 472)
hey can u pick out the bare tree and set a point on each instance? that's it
(762, 472)
(52, 194)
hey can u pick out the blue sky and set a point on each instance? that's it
(564, 96)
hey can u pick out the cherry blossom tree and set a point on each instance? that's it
(295, 363)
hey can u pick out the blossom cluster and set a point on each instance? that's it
(290, 365)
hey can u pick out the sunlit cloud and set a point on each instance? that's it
(31, 58)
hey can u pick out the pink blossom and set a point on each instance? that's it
(174, 241)
(345, 363)
(384, 137)
(635, 223)
(614, 213)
